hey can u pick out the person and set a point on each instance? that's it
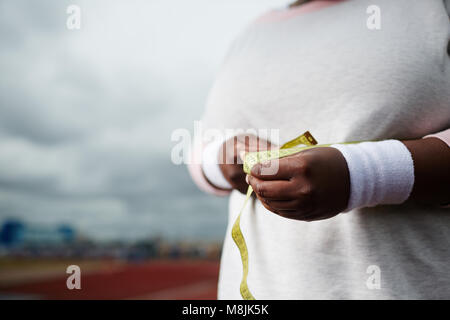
(348, 221)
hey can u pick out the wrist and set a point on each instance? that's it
(380, 172)
(211, 165)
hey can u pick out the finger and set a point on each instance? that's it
(269, 170)
(288, 214)
(278, 169)
(276, 190)
(306, 216)
(295, 204)
(243, 153)
(264, 204)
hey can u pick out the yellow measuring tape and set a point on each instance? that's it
(252, 158)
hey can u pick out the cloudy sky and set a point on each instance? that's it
(86, 115)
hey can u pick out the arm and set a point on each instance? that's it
(431, 170)
(217, 168)
(317, 184)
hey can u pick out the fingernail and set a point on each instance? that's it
(246, 179)
(266, 163)
(255, 169)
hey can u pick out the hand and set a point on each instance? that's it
(310, 185)
(230, 160)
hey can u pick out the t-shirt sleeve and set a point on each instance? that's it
(443, 135)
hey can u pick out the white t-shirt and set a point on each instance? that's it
(325, 71)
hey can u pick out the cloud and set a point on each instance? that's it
(86, 116)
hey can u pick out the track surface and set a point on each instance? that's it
(149, 280)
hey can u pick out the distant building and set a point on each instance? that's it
(13, 233)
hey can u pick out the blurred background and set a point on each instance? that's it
(86, 118)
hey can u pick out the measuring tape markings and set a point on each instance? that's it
(287, 149)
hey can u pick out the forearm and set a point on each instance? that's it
(319, 183)
(431, 158)
(393, 171)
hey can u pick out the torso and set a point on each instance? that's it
(324, 71)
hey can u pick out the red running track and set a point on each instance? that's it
(150, 280)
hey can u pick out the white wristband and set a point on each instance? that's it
(380, 172)
(210, 165)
